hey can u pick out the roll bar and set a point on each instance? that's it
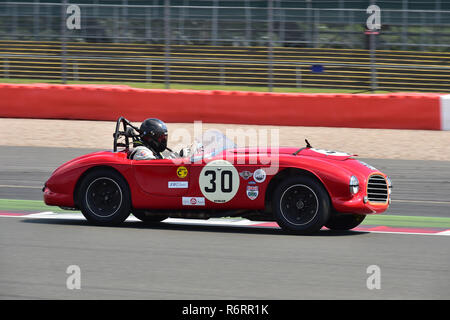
(128, 132)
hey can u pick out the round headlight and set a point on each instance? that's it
(354, 185)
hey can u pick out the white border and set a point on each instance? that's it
(445, 112)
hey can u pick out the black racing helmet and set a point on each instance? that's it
(154, 134)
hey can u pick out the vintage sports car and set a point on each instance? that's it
(303, 191)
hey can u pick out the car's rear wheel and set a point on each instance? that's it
(104, 197)
(344, 221)
(301, 205)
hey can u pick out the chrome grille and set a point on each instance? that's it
(377, 189)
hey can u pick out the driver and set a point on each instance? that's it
(152, 142)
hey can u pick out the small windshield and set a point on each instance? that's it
(210, 144)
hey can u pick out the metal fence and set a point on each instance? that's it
(321, 44)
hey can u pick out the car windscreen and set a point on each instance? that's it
(212, 143)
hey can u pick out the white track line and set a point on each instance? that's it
(422, 201)
(16, 186)
(210, 222)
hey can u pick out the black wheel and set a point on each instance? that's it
(104, 197)
(301, 205)
(344, 221)
(148, 217)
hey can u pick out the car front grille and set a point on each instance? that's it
(377, 189)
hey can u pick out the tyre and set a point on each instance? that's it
(148, 217)
(344, 221)
(104, 197)
(301, 205)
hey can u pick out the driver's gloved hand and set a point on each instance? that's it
(184, 152)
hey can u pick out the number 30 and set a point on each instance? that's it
(226, 181)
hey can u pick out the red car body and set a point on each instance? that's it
(148, 180)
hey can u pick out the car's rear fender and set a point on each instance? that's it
(85, 173)
(64, 181)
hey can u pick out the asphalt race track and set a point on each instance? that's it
(419, 187)
(184, 261)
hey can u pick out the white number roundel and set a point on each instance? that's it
(219, 181)
(331, 152)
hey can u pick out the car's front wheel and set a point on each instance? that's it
(344, 221)
(104, 197)
(301, 205)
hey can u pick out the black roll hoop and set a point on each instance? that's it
(128, 132)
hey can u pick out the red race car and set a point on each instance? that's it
(301, 189)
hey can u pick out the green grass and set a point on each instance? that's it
(36, 206)
(143, 85)
(407, 221)
(27, 206)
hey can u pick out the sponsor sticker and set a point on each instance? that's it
(259, 175)
(182, 172)
(178, 184)
(252, 192)
(246, 175)
(193, 201)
